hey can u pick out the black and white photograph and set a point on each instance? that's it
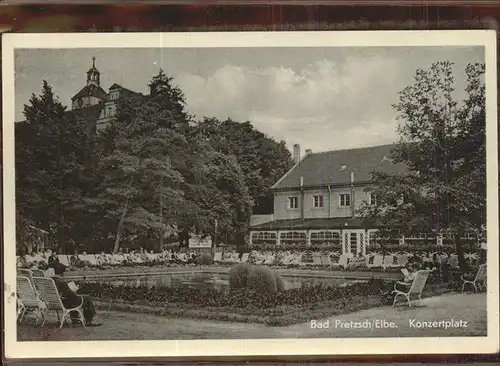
(250, 193)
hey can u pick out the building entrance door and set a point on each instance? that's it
(354, 242)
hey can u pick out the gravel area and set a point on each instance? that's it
(462, 308)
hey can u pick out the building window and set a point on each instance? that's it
(264, 237)
(372, 199)
(331, 238)
(110, 111)
(293, 203)
(372, 238)
(318, 201)
(344, 200)
(293, 237)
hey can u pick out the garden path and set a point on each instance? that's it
(136, 326)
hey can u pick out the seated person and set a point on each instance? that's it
(103, 258)
(409, 274)
(453, 261)
(75, 261)
(428, 264)
(22, 262)
(471, 271)
(133, 257)
(359, 261)
(53, 260)
(70, 299)
(38, 258)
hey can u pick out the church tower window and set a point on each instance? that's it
(93, 75)
(92, 93)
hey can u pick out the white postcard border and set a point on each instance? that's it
(240, 347)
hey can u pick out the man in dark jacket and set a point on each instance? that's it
(71, 300)
(53, 260)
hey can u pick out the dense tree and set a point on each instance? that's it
(263, 161)
(53, 157)
(141, 163)
(443, 145)
(149, 174)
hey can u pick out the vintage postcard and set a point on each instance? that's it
(207, 194)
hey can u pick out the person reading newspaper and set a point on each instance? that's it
(409, 274)
(70, 298)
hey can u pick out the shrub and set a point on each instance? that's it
(238, 276)
(262, 280)
(280, 283)
(205, 259)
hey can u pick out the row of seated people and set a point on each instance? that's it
(43, 260)
(270, 258)
(351, 261)
(335, 259)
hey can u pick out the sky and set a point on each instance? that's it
(321, 98)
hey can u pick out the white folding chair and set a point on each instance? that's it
(343, 261)
(23, 272)
(29, 299)
(63, 259)
(326, 260)
(478, 280)
(38, 273)
(317, 260)
(415, 288)
(21, 309)
(54, 302)
(388, 261)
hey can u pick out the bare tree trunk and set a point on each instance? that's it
(61, 235)
(122, 220)
(120, 227)
(462, 263)
(162, 232)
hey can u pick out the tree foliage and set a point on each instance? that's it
(263, 161)
(442, 142)
(53, 166)
(151, 173)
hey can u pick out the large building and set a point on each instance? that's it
(97, 105)
(93, 104)
(318, 199)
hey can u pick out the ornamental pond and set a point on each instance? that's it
(218, 281)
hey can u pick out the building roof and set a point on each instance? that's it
(91, 90)
(125, 91)
(318, 224)
(90, 114)
(335, 167)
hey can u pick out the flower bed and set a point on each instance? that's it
(279, 316)
(247, 299)
(282, 308)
